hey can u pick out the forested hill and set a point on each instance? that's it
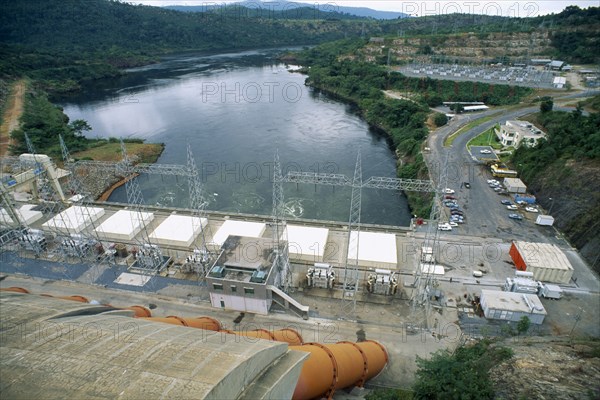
(73, 39)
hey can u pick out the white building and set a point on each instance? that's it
(559, 82)
(239, 278)
(515, 185)
(514, 133)
(510, 306)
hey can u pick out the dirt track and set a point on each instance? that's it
(12, 114)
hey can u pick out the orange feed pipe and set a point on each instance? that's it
(328, 368)
(15, 289)
(335, 366)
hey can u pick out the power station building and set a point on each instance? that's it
(239, 278)
(56, 348)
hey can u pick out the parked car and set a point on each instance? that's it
(512, 207)
(498, 189)
(449, 191)
(453, 224)
(506, 202)
(493, 181)
(467, 185)
(449, 197)
(456, 212)
(485, 151)
(515, 216)
(531, 209)
(444, 227)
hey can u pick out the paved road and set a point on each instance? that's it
(484, 214)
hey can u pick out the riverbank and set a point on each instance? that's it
(406, 163)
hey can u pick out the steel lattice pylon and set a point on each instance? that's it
(53, 202)
(424, 280)
(81, 199)
(351, 278)
(198, 204)
(151, 169)
(149, 257)
(283, 278)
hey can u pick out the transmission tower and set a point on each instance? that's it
(149, 257)
(200, 259)
(80, 244)
(51, 199)
(351, 278)
(424, 274)
(282, 263)
(89, 235)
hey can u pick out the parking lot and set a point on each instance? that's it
(483, 153)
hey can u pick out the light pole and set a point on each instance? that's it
(551, 205)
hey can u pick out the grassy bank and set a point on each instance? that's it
(450, 139)
(111, 151)
(487, 138)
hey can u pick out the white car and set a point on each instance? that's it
(531, 209)
(512, 207)
(444, 227)
(453, 224)
(449, 191)
(485, 151)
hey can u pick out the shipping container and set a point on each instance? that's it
(517, 258)
(546, 220)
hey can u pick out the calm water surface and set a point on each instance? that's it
(236, 110)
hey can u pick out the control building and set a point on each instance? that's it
(239, 278)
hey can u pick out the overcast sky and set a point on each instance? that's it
(512, 8)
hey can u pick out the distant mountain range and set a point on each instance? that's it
(289, 6)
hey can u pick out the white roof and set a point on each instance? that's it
(28, 214)
(432, 269)
(543, 255)
(514, 182)
(511, 301)
(124, 224)
(306, 240)
(74, 219)
(4, 217)
(560, 80)
(374, 247)
(238, 228)
(179, 230)
(475, 108)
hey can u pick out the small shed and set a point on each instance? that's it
(74, 219)
(515, 185)
(510, 306)
(547, 262)
(178, 230)
(306, 243)
(375, 249)
(124, 225)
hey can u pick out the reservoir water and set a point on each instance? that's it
(236, 110)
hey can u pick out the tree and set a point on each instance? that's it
(440, 119)
(546, 105)
(457, 108)
(79, 126)
(523, 325)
